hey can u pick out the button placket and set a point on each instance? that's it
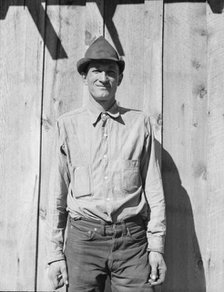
(105, 158)
(105, 124)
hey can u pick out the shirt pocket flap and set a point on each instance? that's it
(81, 181)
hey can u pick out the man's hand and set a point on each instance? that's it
(57, 274)
(158, 268)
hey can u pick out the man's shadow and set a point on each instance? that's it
(185, 270)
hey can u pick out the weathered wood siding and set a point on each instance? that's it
(174, 71)
(21, 67)
(185, 144)
(215, 153)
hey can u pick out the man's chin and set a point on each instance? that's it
(102, 98)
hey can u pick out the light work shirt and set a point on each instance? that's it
(104, 167)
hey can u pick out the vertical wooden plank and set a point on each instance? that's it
(94, 20)
(76, 25)
(124, 28)
(135, 29)
(21, 61)
(184, 142)
(215, 251)
(153, 50)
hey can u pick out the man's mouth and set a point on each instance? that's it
(103, 87)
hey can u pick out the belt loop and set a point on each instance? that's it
(103, 228)
(124, 228)
(128, 232)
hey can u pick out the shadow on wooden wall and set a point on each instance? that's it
(37, 12)
(217, 6)
(183, 256)
(52, 40)
(46, 29)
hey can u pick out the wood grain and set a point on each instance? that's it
(174, 72)
(77, 27)
(215, 199)
(137, 35)
(21, 62)
(184, 144)
(153, 67)
(126, 21)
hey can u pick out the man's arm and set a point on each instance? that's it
(57, 214)
(156, 226)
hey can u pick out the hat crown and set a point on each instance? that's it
(101, 49)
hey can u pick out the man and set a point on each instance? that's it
(106, 188)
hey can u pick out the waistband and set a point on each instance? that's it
(136, 220)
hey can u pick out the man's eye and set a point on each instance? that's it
(111, 72)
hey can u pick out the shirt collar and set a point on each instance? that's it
(95, 111)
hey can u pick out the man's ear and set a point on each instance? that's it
(120, 79)
(84, 78)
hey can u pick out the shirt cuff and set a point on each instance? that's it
(55, 258)
(156, 243)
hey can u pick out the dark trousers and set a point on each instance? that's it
(95, 250)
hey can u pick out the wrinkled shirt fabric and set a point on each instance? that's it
(104, 167)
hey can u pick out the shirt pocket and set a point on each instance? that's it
(81, 183)
(131, 179)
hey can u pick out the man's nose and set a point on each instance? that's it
(103, 76)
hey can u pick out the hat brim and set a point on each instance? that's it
(83, 63)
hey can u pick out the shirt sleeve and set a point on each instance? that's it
(153, 189)
(58, 190)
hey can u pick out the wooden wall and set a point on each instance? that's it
(174, 71)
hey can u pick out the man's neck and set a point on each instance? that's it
(102, 105)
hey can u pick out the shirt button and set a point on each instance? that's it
(105, 156)
(103, 117)
(108, 199)
(106, 177)
(105, 135)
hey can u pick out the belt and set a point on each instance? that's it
(135, 219)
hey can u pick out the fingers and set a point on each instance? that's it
(154, 265)
(158, 269)
(153, 275)
(159, 279)
(56, 282)
(162, 274)
(57, 274)
(152, 281)
(155, 282)
(64, 274)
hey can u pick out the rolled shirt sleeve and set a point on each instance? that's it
(58, 190)
(153, 190)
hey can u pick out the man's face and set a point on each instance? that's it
(102, 79)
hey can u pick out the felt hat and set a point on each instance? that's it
(100, 49)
